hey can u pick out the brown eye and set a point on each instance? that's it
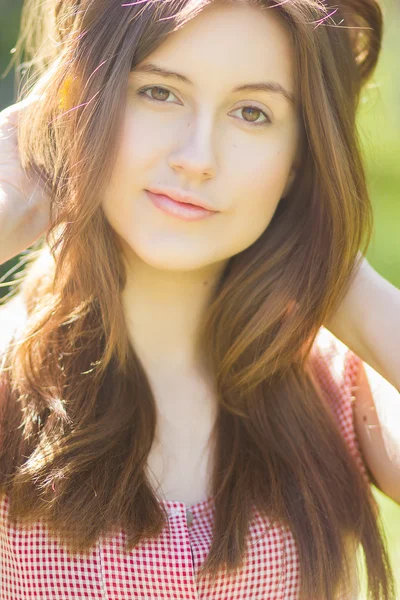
(254, 113)
(158, 94)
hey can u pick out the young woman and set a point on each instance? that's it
(198, 358)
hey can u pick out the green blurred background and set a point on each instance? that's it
(379, 125)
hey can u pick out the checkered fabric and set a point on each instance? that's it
(35, 566)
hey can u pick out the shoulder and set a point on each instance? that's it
(376, 412)
(330, 349)
(335, 370)
(366, 407)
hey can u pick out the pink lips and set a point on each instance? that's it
(187, 212)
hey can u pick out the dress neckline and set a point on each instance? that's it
(192, 507)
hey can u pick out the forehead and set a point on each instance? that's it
(228, 44)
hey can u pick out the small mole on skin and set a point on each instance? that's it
(364, 418)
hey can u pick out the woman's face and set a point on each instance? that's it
(233, 149)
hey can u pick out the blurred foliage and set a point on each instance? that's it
(9, 26)
(379, 127)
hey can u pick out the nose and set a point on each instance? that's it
(194, 157)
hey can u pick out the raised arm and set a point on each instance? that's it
(24, 205)
(368, 322)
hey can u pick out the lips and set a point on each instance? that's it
(182, 197)
(181, 210)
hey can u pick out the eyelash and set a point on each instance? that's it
(142, 92)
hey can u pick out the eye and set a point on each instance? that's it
(161, 93)
(254, 111)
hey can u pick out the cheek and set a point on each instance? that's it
(137, 144)
(257, 182)
(134, 160)
(146, 139)
(260, 179)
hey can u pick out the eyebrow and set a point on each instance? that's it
(267, 86)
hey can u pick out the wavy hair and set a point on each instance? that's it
(76, 403)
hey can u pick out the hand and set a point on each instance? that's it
(24, 203)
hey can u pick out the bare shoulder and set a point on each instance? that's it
(377, 422)
(333, 353)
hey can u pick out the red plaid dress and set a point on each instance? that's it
(34, 566)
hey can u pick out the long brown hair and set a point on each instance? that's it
(76, 402)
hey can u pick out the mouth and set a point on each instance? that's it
(181, 210)
(183, 197)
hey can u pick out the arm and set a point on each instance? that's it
(20, 226)
(368, 322)
(24, 204)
